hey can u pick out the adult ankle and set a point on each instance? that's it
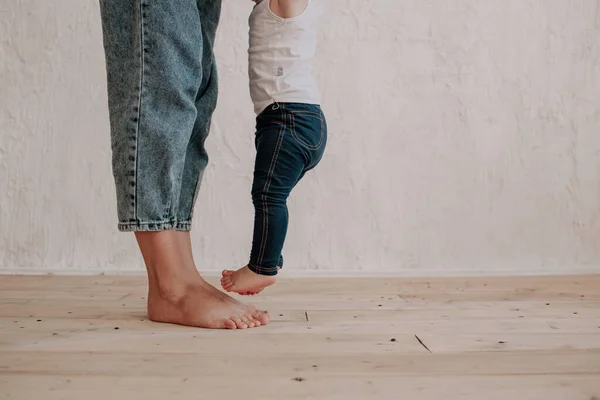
(175, 288)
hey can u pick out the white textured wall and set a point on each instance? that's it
(464, 138)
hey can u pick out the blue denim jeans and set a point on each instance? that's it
(290, 141)
(162, 90)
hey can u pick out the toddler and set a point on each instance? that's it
(291, 131)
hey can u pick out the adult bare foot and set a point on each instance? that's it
(245, 282)
(179, 295)
(200, 307)
(260, 315)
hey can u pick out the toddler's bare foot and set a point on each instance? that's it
(245, 282)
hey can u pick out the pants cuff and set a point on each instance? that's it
(261, 270)
(138, 226)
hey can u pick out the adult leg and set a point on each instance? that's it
(162, 91)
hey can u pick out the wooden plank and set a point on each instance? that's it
(320, 323)
(202, 342)
(496, 288)
(310, 386)
(105, 338)
(59, 307)
(156, 363)
(53, 314)
(329, 302)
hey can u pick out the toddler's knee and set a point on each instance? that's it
(271, 198)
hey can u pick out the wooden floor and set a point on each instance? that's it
(486, 339)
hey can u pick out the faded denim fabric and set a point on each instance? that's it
(162, 91)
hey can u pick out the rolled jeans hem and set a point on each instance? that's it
(155, 226)
(268, 271)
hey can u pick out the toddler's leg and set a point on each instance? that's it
(280, 162)
(290, 141)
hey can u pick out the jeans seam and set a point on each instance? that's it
(139, 108)
(300, 141)
(317, 115)
(266, 190)
(323, 141)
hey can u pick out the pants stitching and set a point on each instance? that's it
(264, 196)
(266, 190)
(300, 113)
(302, 142)
(139, 110)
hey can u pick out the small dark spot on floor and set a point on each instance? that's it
(379, 305)
(281, 315)
(575, 313)
(356, 316)
(116, 327)
(501, 342)
(184, 380)
(393, 339)
(520, 316)
(54, 334)
(39, 320)
(314, 366)
(22, 327)
(69, 312)
(299, 379)
(582, 296)
(547, 304)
